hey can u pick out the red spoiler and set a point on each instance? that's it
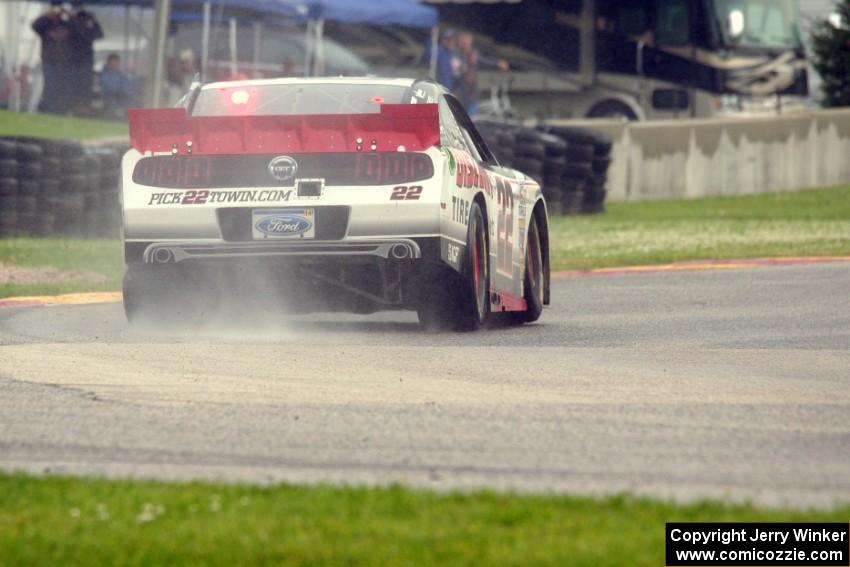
(414, 126)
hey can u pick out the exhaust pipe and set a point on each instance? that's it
(401, 251)
(163, 256)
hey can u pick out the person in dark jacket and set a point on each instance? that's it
(54, 27)
(85, 31)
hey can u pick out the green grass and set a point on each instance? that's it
(52, 126)
(804, 223)
(810, 223)
(99, 256)
(92, 522)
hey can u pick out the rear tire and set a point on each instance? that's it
(159, 295)
(139, 290)
(534, 274)
(461, 302)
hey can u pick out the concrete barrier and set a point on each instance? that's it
(736, 156)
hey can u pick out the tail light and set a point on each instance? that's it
(392, 168)
(174, 171)
(252, 170)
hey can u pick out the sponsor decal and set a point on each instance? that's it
(460, 210)
(453, 254)
(405, 193)
(505, 226)
(204, 197)
(283, 223)
(452, 163)
(283, 168)
(470, 174)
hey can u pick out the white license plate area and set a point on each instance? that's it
(291, 223)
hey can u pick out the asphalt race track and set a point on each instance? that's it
(723, 383)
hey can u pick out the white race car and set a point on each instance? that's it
(328, 195)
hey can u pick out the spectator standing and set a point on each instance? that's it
(85, 31)
(116, 89)
(182, 71)
(55, 29)
(467, 84)
(448, 61)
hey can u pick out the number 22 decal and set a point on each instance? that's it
(405, 193)
(195, 198)
(505, 226)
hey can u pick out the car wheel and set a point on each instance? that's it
(534, 273)
(439, 300)
(140, 295)
(476, 307)
(460, 302)
(157, 295)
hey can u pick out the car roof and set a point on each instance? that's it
(314, 81)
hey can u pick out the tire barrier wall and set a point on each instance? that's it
(703, 158)
(58, 187)
(570, 163)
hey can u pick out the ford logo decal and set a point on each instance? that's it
(283, 168)
(283, 225)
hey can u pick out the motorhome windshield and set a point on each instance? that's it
(768, 24)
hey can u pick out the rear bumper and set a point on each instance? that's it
(176, 252)
(395, 249)
(359, 275)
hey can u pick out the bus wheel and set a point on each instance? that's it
(613, 109)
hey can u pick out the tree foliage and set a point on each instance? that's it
(831, 57)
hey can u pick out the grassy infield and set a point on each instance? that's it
(60, 521)
(779, 224)
(47, 126)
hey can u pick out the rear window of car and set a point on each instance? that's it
(292, 99)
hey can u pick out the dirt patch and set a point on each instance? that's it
(13, 274)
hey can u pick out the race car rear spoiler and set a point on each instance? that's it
(416, 127)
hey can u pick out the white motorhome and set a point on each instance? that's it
(644, 59)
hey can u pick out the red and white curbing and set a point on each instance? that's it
(704, 265)
(64, 299)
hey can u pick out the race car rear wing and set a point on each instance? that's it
(410, 127)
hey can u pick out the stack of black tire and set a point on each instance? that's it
(51, 168)
(8, 189)
(570, 163)
(58, 187)
(500, 138)
(588, 158)
(30, 174)
(108, 221)
(537, 154)
(73, 185)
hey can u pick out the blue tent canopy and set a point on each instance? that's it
(393, 12)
